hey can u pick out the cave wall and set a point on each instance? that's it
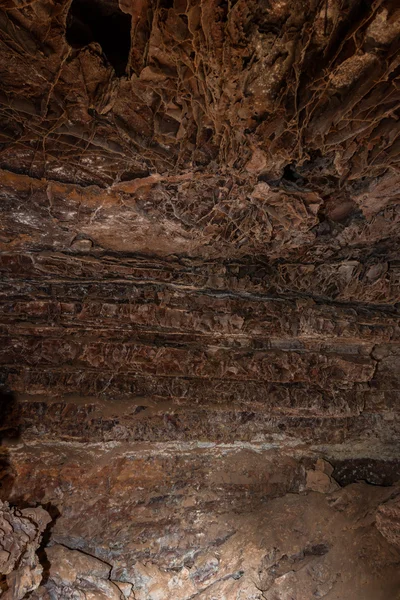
(200, 295)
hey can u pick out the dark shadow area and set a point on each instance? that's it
(370, 470)
(101, 21)
(9, 434)
(290, 177)
(9, 430)
(44, 561)
(290, 174)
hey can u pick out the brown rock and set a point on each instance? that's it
(86, 576)
(199, 298)
(388, 520)
(319, 479)
(21, 533)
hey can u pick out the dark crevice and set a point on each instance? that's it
(103, 22)
(290, 174)
(9, 434)
(374, 471)
(130, 175)
(46, 536)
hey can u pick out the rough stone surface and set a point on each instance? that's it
(319, 479)
(388, 520)
(200, 294)
(290, 547)
(76, 575)
(20, 536)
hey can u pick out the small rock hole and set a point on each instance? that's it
(290, 174)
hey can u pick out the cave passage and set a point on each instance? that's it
(102, 22)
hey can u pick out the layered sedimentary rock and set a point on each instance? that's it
(200, 294)
(199, 235)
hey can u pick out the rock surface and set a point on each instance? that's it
(388, 520)
(301, 546)
(78, 576)
(20, 536)
(200, 294)
(200, 230)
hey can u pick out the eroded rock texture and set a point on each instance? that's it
(200, 290)
(297, 546)
(199, 236)
(20, 536)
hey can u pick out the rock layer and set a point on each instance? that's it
(200, 293)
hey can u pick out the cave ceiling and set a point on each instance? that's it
(199, 251)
